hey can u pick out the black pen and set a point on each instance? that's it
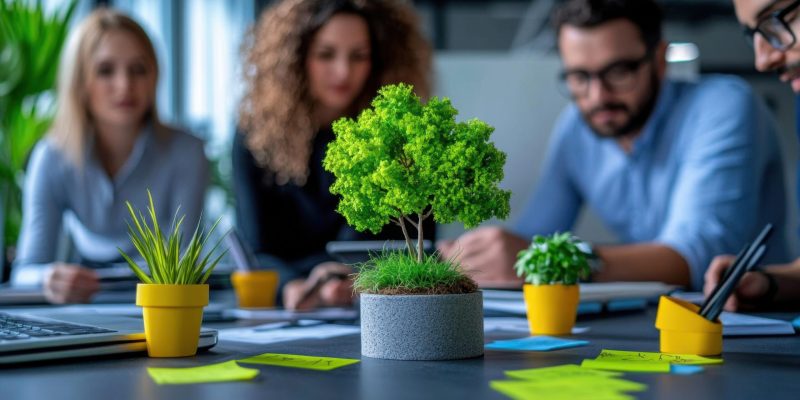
(748, 258)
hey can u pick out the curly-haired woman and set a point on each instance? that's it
(308, 63)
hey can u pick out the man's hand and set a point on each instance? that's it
(751, 287)
(487, 254)
(324, 287)
(69, 283)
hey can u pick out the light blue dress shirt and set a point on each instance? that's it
(703, 177)
(91, 205)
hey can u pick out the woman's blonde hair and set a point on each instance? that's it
(275, 113)
(72, 126)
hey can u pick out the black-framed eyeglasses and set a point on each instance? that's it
(619, 76)
(775, 29)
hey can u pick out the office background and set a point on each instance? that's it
(495, 59)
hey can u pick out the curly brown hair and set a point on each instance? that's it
(276, 109)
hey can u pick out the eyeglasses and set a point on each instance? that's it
(775, 28)
(617, 77)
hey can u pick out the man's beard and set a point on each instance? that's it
(638, 118)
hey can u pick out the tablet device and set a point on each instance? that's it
(354, 252)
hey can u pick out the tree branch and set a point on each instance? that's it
(410, 221)
(409, 245)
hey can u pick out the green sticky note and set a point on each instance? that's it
(222, 372)
(568, 390)
(626, 366)
(588, 383)
(639, 356)
(299, 361)
(568, 371)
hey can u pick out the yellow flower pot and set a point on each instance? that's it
(255, 288)
(172, 317)
(551, 308)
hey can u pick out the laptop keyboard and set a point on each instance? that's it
(20, 328)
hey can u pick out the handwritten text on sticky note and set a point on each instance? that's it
(300, 361)
(644, 356)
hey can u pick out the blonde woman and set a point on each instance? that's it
(106, 146)
(308, 63)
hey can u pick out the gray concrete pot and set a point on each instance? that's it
(422, 327)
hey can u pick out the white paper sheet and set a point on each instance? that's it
(734, 324)
(511, 324)
(325, 314)
(279, 332)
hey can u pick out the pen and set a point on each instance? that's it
(748, 258)
(286, 324)
(736, 260)
(242, 256)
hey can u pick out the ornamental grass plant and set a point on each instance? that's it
(397, 273)
(162, 254)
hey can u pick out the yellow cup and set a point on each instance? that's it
(255, 288)
(172, 317)
(552, 309)
(684, 331)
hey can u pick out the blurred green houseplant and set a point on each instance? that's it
(30, 46)
(561, 258)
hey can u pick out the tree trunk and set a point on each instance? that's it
(402, 223)
(420, 250)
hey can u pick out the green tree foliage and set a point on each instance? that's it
(402, 161)
(560, 258)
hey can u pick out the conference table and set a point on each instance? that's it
(753, 368)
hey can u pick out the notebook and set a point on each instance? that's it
(26, 337)
(595, 297)
(735, 324)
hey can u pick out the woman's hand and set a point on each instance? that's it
(324, 287)
(70, 283)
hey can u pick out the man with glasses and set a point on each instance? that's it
(679, 171)
(771, 27)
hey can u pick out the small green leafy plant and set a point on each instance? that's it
(163, 254)
(558, 259)
(403, 161)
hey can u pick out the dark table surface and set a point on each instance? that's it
(754, 368)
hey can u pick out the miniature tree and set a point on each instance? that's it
(402, 161)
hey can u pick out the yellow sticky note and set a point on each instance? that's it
(299, 361)
(568, 371)
(222, 372)
(626, 366)
(684, 359)
(522, 390)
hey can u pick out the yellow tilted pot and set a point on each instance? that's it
(684, 331)
(551, 308)
(172, 317)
